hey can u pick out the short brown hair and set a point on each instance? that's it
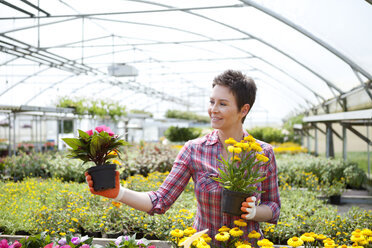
(242, 87)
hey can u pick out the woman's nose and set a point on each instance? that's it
(214, 108)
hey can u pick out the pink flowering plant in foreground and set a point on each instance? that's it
(98, 145)
(130, 242)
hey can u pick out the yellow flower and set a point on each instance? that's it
(294, 242)
(249, 138)
(222, 236)
(256, 147)
(206, 238)
(62, 234)
(237, 150)
(116, 204)
(113, 153)
(236, 158)
(74, 219)
(236, 232)
(71, 230)
(244, 246)
(265, 242)
(307, 237)
(230, 141)
(240, 223)
(230, 149)
(176, 233)
(202, 244)
(182, 240)
(355, 245)
(246, 147)
(357, 238)
(366, 232)
(116, 162)
(189, 231)
(254, 235)
(321, 236)
(343, 246)
(224, 229)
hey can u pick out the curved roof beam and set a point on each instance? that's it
(218, 40)
(38, 25)
(23, 80)
(329, 84)
(169, 9)
(340, 55)
(47, 88)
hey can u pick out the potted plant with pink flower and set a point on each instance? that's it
(97, 146)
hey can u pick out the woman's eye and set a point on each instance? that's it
(223, 104)
(211, 102)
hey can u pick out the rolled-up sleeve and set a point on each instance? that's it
(271, 197)
(174, 184)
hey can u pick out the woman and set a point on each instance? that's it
(232, 97)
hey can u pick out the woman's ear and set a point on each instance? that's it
(245, 109)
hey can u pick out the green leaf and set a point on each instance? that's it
(83, 135)
(74, 143)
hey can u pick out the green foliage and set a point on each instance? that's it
(94, 148)
(267, 134)
(101, 108)
(288, 125)
(326, 170)
(146, 158)
(181, 134)
(138, 111)
(43, 165)
(187, 115)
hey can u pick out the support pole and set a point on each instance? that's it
(329, 141)
(316, 142)
(10, 135)
(344, 143)
(14, 134)
(368, 154)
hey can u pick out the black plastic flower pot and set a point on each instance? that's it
(335, 199)
(232, 202)
(103, 176)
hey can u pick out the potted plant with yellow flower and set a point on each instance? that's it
(240, 173)
(97, 146)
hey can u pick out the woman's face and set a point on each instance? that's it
(223, 109)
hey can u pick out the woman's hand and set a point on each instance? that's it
(249, 206)
(109, 193)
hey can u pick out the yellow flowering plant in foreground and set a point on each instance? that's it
(242, 168)
(234, 237)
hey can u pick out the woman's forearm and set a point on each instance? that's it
(138, 200)
(263, 213)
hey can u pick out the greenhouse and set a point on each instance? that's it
(144, 87)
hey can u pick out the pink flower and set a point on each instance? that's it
(49, 245)
(4, 243)
(89, 132)
(65, 246)
(16, 244)
(105, 129)
(152, 246)
(62, 241)
(75, 240)
(85, 246)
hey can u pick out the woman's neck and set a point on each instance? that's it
(237, 135)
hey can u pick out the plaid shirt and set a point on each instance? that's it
(198, 159)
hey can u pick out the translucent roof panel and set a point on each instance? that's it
(300, 53)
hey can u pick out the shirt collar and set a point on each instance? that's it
(213, 137)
